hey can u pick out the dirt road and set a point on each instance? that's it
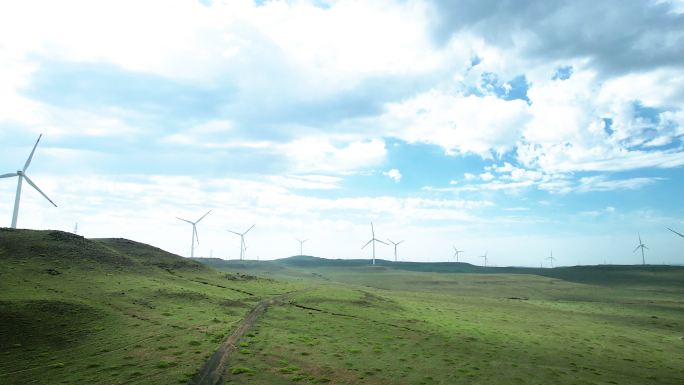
(212, 373)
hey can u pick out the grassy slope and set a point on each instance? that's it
(380, 325)
(111, 311)
(115, 311)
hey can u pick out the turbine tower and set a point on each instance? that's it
(373, 240)
(641, 246)
(194, 233)
(243, 246)
(301, 246)
(485, 258)
(680, 234)
(395, 247)
(457, 252)
(551, 258)
(22, 175)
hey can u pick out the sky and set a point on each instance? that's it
(510, 128)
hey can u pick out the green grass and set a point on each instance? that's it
(380, 325)
(112, 311)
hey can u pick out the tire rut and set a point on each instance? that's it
(213, 371)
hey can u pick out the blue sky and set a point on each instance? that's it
(513, 129)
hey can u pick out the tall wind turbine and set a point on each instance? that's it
(194, 233)
(22, 175)
(373, 240)
(395, 247)
(641, 246)
(243, 246)
(301, 246)
(485, 258)
(551, 258)
(680, 234)
(457, 252)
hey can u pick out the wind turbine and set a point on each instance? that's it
(194, 233)
(551, 258)
(243, 246)
(301, 246)
(76, 228)
(485, 258)
(457, 252)
(373, 240)
(22, 175)
(395, 247)
(680, 234)
(641, 246)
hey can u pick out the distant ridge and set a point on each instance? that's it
(594, 274)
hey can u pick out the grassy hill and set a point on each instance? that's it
(114, 311)
(111, 311)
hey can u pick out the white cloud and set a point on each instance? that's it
(487, 176)
(315, 154)
(601, 183)
(307, 182)
(459, 124)
(393, 174)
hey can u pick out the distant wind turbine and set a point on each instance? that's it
(373, 240)
(395, 247)
(194, 232)
(641, 246)
(301, 246)
(485, 258)
(76, 228)
(680, 234)
(22, 175)
(243, 246)
(457, 252)
(551, 258)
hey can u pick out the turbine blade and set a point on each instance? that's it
(304, 240)
(36, 187)
(637, 248)
(400, 242)
(667, 228)
(364, 246)
(248, 229)
(8, 175)
(372, 229)
(203, 216)
(646, 247)
(194, 228)
(236, 233)
(377, 240)
(185, 220)
(28, 161)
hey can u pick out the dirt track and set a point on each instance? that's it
(212, 373)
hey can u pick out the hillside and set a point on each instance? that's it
(111, 311)
(114, 311)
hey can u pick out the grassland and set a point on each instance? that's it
(112, 311)
(381, 325)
